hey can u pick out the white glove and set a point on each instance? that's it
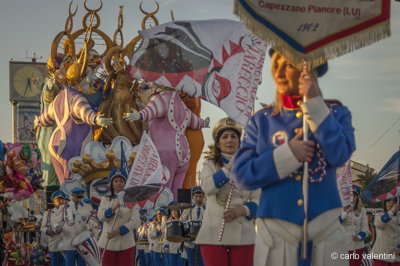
(207, 122)
(103, 121)
(50, 82)
(131, 117)
(36, 122)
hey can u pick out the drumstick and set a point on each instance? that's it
(228, 201)
(112, 227)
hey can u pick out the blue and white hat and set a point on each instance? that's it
(120, 172)
(57, 194)
(197, 189)
(78, 191)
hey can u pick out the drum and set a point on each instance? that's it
(86, 245)
(193, 228)
(175, 231)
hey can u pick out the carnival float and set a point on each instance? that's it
(81, 132)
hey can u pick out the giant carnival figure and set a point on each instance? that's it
(195, 139)
(119, 94)
(50, 90)
(57, 65)
(70, 110)
(169, 117)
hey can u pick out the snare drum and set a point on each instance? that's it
(86, 245)
(193, 228)
(175, 231)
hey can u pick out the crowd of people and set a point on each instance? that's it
(248, 205)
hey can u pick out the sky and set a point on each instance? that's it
(366, 80)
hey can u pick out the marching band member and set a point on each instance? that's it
(271, 158)
(226, 204)
(51, 226)
(75, 218)
(386, 240)
(172, 249)
(370, 240)
(154, 235)
(196, 212)
(354, 219)
(143, 244)
(150, 223)
(94, 225)
(117, 237)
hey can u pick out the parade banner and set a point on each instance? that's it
(386, 183)
(218, 60)
(146, 168)
(316, 30)
(344, 183)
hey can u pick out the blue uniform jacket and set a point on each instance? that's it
(256, 165)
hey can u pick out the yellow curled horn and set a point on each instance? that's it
(130, 47)
(113, 52)
(92, 10)
(149, 15)
(66, 32)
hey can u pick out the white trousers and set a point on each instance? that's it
(278, 241)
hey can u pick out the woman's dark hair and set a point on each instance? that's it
(111, 185)
(214, 152)
(384, 204)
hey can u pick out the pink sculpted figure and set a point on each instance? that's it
(169, 117)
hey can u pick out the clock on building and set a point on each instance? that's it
(26, 81)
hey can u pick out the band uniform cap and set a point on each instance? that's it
(160, 210)
(356, 189)
(225, 124)
(65, 195)
(78, 191)
(197, 189)
(87, 200)
(142, 211)
(151, 218)
(57, 194)
(321, 69)
(120, 172)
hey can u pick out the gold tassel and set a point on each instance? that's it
(320, 55)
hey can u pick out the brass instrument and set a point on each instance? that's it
(142, 242)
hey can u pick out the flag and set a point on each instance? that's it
(386, 183)
(345, 185)
(315, 30)
(146, 170)
(218, 60)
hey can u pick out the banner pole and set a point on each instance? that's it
(305, 192)
(112, 227)
(305, 185)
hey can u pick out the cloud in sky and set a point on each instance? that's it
(391, 105)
